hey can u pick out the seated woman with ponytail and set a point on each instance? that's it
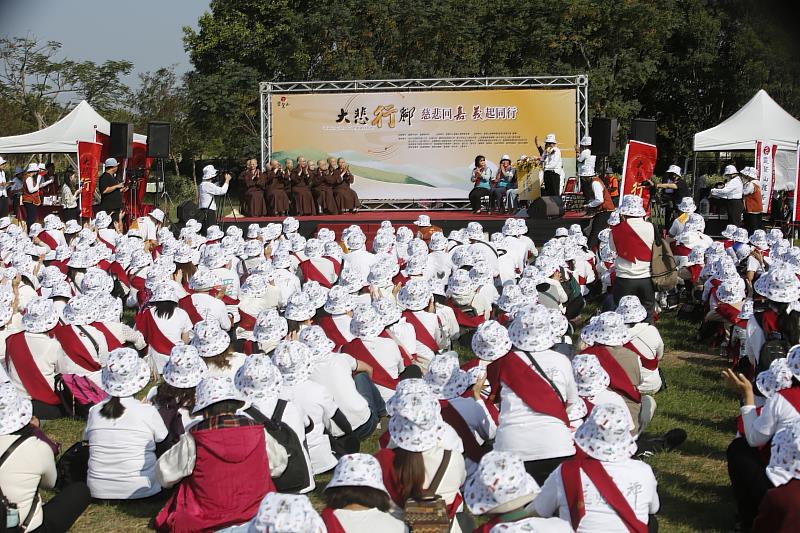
(163, 324)
(123, 433)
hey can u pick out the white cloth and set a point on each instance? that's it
(387, 354)
(585, 162)
(100, 355)
(48, 356)
(3, 183)
(361, 259)
(648, 341)
(637, 269)
(325, 268)
(439, 265)
(318, 404)
(122, 455)
(147, 228)
(754, 340)
(31, 466)
(207, 192)
(336, 375)
(597, 192)
(369, 520)
(776, 414)
(288, 283)
(731, 191)
(211, 306)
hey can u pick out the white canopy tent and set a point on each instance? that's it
(80, 124)
(759, 119)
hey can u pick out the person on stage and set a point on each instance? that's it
(329, 180)
(4, 185)
(69, 196)
(346, 197)
(254, 185)
(301, 182)
(481, 178)
(208, 191)
(600, 206)
(111, 189)
(505, 175)
(731, 192)
(611, 181)
(584, 156)
(753, 203)
(551, 164)
(277, 199)
(32, 182)
(674, 190)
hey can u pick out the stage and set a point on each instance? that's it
(538, 229)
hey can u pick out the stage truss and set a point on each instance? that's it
(267, 89)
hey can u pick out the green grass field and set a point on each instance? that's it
(693, 481)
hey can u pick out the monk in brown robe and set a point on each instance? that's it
(277, 199)
(329, 180)
(301, 188)
(254, 185)
(346, 198)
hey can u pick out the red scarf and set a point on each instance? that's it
(312, 273)
(108, 244)
(769, 321)
(75, 348)
(728, 312)
(137, 282)
(695, 270)
(332, 331)
(119, 272)
(400, 278)
(423, 335)
(573, 487)
(407, 360)
(337, 266)
(146, 324)
(620, 382)
(61, 265)
(450, 414)
(246, 321)
(647, 362)
(792, 395)
(680, 249)
(48, 240)
(19, 353)
(359, 351)
(629, 244)
(187, 304)
(111, 339)
(331, 522)
(463, 318)
(526, 383)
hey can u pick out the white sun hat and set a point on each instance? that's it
(411, 386)
(213, 257)
(687, 205)
(382, 272)
(96, 281)
(258, 378)
(209, 338)
(299, 308)
(730, 170)
(185, 368)
(16, 410)
(339, 301)
(320, 346)
(72, 227)
(215, 389)
(779, 284)
(606, 434)
(460, 283)
(607, 329)
(631, 309)
(286, 513)
(388, 311)
(550, 138)
(365, 322)
(731, 291)
(358, 470)
(313, 248)
(590, 376)
(415, 295)
(209, 172)
(423, 221)
(491, 341)
(81, 310)
(355, 241)
(164, 292)
(332, 249)
(353, 278)
(316, 293)
(784, 461)
(474, 231)
(531, 330)
(774, 379)
(445, 377)
(631, 206)
(290, 225)
(83, 258)
(102, 220)
(293, 359)
(125, 373)
(270, 328)
(204, 280)
(674, 169)
(40, 316)
(438, 242)
(500, 484)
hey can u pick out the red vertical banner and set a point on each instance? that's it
(765, 170)
(640, 162)
(88, 165)
(139, 168)
(796, 183)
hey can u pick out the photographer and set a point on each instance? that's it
(207, 205)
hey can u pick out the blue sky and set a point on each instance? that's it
(146, 32)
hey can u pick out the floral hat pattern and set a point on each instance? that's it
(607, 329)
(445, 378)
(286, 513)
(81, 310)
(531, 330)
(299, 308)
(491, 341)
(40, 316)
(590, 376)
(270, 328)
(16, 410)
(365, 322)
(125, 373)
(500, 484)
(185, 368)
(779, 284)
(415, 295)
(209, 338)
(631, 309)
(606, 433)
(388, 311)
(293, 359)
(214, 389)
(358, 470)
(320, 346)
(259, 378)
(784, 461)
(776, 378)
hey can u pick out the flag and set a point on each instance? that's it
(88, 165)
(640, 161)
(765, 170)
(140, 164)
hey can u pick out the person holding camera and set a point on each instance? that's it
(208, 190)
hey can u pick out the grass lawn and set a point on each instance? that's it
(693, 482)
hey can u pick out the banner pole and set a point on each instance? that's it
(796, 182)
(624, 172)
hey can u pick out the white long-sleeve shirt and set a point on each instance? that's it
(731, 191)
(207, 192)
(597, 192)
(35, 185)
(552, 161)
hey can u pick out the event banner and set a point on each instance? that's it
(421, 145)
(640, 162)
(88, 165)
(796, 183)
(138, 170)
(765, 170)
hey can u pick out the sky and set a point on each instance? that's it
(147, 33)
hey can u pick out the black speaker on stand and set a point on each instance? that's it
(644, 130)
(121, 140)
(604, 133)
(158, 145)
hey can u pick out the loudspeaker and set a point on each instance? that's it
(546, 207)
(644, 130)
(604, 133)
(121, 139)
(186, 210)
(158, 139)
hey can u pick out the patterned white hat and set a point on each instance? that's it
(213, 257)
(185, 254)
(72, 227)
(747, 310)
(96, 281)
(531, 330)
(774, 235)
(139, 259)
(185, 368)
(109, 308)
(613, 218)
(590, 376)
(500, 484)
(271, 231)
(423, 221)
(382, 271)
(253, 231)
(215, 389)
(741, 235)
(411, 386)
(607, 329)
(417, 246)
(358, 470)
(438, 242)
(125, 373)
(696, 256)
(326, 235)
(779, 284)
(6, 314)
(463, 256)
(297, 241)
(606, 434)
(286, 513)
(313, 248)
(53, 222)
(460, 283)
(164, 292)
(631, 206)
(482, 274)
(213, 233)
(728, 231)
(511, 297)
(631, 309)
(290, 225)
(474, 231)
(353, 278)
(759, 239)
(270, 328)
(695, 222)
(383, 242)
(355, 240)
(40, 316)
(491, 341)
(731, 291)
(316, 293)
(253, 249)
(784, 460)
(332, 249)
(81, 310)
(234, 231)
(559, 323)
(258, 378)
(209, 338)
(793, 360)
(256, 285)
(15, 409)
(293, 359)
(388, 311)
(404, 234)
(102, 220)
(547, 265)
(776, 378)
(365, 322)
(82, 258)
(299, 307)
(204, 280)
(50, 276)
(445, 377)
(415, 295)
(416, 264)
(339, 301)
(318, 343)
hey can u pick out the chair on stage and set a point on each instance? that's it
(573, 200)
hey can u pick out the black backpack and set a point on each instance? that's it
(775, 347)
(295, 478)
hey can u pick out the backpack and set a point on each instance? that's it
(73, 465)
(663, 268)
(774, 347)
(9, 514)
(428, 514)
(295, 477)
(78, 394)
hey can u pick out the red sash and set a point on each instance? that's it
(119, 272)
(620, 382)
(248, 347)
(400, 278)
(769, 321)
(423, 335)
(108, 244)
(463, 318)
(137, 282)
(312, 273)
(407, 360)
(380, 376)
(647, 362)
(19, 353)
(332, 523)
(450, 414)
(629, 245)
(47, 239)
(792, 395)
(246, 321)
(571, 478)
(728, 312)
(337, 266)
(681, 249)
(526, 383)
(187, 304)
(74, 348)
(332, 331)
(146, 324)
(61, 265)
(695, 270)
(727, 243)
(111, 339)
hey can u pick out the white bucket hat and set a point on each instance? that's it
(411, 386)
(415, 295)
(256, 285)
(438, 242)
(102, 220)
(332, 249)
(51, 275)
(474, 231)
(139, 260)
(590, 376)
(365, 322)
(687, 205)
(382, 271)
(96, 281)
(290, 225)
(759, 239)
(606, 434)
(586, 141)
(631, 206)
(209, 338)
(731, 291)
(316, 293)
(674, 169)
(72, 227)
(83, 258)
(531, 330)
(253, 249)
(293, 359)
(281, 259)
(204, 280)
(270, 328)
(299, 307)
(491, 341)
(355, 241)
(16, 410)
(258, 378)
(326, 235)
(286, 513)
(185, 368)
(499, 485)
(388, 311)
(793, 358)
(741, 235)
(164, 292)
(383, 242)
(209, 172)
(607, 329)
(463, 256)
(460, 283)
(52, 222)
(631, 309)
(550, 138)
(728, 231)
(353, 278)
(214, 389)
(313, 248)
(774, 379)
(253, 231)
(730, 170)
(423, 221)
(358, 470)
(81, 310)
(339, 301)
(779, 284)
(125, 373)
(158, 215)
(40, 316)
(318, 343)
(445, 378)
(213, 257)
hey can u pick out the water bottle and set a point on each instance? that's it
(12, 516)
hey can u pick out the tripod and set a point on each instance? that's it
(226, 202)
(164, 199)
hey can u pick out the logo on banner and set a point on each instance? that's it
(640, 163)
(765, 170)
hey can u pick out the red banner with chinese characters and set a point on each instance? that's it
(640, 162)
(88, 165)
(765, 170)
(138, 168)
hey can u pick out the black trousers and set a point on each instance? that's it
(497, 198)
(542, 468)
(45, 411)
(4, 206)
(752, 221)
(70, 214)
(206, 217)
(643, 288)
(31, 213)
(735, 209)
(475, 196)
(599, 223)
(64, 508)
(749, 479)
(552, 183)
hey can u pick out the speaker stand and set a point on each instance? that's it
(164, 199)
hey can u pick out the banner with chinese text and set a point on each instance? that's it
(421, 145)
(88, 165)
(765, 170)
(640, 162)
